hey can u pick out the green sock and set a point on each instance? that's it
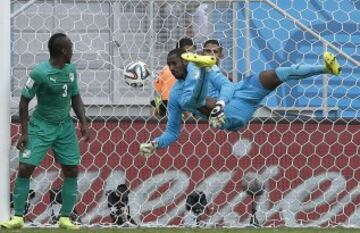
(68, 194)
(20, 195)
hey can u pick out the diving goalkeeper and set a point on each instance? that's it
(236, 102)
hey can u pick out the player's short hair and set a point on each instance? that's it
(186, 41)
(212, 41)
(178, 52)
(56, 44)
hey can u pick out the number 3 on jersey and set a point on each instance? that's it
(65, 88)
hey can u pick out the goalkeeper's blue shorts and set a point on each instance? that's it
(248, 94)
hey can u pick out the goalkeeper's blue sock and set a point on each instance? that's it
(299, 72)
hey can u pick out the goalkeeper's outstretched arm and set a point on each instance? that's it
(171, 133)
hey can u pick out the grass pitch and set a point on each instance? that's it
(191, 230)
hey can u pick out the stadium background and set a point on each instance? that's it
(309, 158)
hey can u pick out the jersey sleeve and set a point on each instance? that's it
(32, 84)
(195, 87)
(74, 86)
(220, 82)
(173, 125)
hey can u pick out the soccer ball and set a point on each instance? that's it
(136, 73)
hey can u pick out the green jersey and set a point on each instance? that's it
(53, 88)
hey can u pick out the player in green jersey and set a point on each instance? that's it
(54, 83)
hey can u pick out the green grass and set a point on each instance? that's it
(192, 230)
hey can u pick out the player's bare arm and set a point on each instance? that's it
(24, 117)
(78, 107)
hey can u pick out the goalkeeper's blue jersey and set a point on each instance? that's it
(189, 94)
(241, 99)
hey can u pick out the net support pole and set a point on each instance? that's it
(247, 42)
(325, 81)
(4, 109)
(152, 43)
(23, 8)
(235, 40)
(313, 33)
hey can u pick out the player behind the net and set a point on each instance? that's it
(54, 82)
(236, 102)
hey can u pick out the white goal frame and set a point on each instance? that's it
(5, 109)
(5, 80)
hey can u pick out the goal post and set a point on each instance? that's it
(295, 164)
(5, 94)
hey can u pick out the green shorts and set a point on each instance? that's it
(61, 137)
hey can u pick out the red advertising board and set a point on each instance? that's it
(310, 173)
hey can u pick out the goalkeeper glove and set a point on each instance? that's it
(148, 148)
(217, 116)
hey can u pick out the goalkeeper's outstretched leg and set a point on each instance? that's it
(273, 78)
(250, 92)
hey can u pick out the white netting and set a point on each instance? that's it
(302, 150)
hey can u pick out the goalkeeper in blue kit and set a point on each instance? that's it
(235, 102)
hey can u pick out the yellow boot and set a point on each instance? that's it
(199, 60)
(65, 223)
(15, 223)
(331, 63)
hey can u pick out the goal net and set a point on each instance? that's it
(296, 163)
